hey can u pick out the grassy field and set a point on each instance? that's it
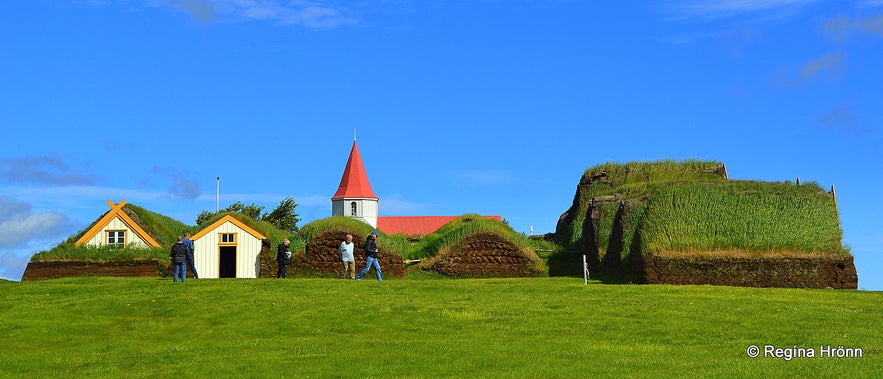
(532, 327)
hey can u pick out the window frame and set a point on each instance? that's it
(118, 234)
(221, 237)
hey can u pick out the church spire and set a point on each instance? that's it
(354, 183)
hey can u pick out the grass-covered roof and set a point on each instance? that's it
(461, 227)
(161, 228)
(450, 234)
(691, 207)
(272, 233)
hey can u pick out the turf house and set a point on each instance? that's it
(116, 228)
(227, 248)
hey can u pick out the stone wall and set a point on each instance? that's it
(832, 271)
(484, 254)
(323, 258)
(67, 269)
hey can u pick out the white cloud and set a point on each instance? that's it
(19, 227)
(12, 266)
(182, 187)
(76, 196)
(313, 200)
(200, 9)
(483, 177)
(827, 64)
(16, 231)
(394, 204)
(47, 170)
(842, 26)
(313, 14)
(22, 232)
(842, 118)
(871, 3)
(713, 9)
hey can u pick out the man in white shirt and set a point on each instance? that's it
(346, 255)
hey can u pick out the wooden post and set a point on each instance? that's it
(585, 271)
(834, 195)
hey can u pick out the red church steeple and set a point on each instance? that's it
(354, 183)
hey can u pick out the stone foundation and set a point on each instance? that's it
(67, 269)
(801, 272)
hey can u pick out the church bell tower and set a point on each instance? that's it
(354, 197)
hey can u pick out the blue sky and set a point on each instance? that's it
(494, 107)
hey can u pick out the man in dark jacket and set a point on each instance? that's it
(178, 256)
(283, 257)
(371, 257)
(189, 255)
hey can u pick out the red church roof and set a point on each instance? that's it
(416, 225)
(354, 183)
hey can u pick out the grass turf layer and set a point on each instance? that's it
(690, 207)
(536, 327)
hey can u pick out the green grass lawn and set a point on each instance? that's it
(531, 327)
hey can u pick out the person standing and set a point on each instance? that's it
(371, 257)
(283, 257)
(346, 256)
(178, 256)
(190, 265)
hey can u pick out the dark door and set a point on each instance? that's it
(227, 263)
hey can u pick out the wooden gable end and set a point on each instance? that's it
(115, 219)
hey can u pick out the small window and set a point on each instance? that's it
(354, 209)
(228, 238)
(116, 237)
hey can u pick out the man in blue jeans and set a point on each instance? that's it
(371, 257)
(189, 256)
(178, 256)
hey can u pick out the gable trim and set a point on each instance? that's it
(234, 221)
(116, 211)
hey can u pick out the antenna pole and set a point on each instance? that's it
(218, 197)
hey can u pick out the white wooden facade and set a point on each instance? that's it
(364, 209)
(131, 238)
(116, 228)
(216, 255)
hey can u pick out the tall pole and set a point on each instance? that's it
(218, 196)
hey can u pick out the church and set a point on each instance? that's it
(354, 198)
